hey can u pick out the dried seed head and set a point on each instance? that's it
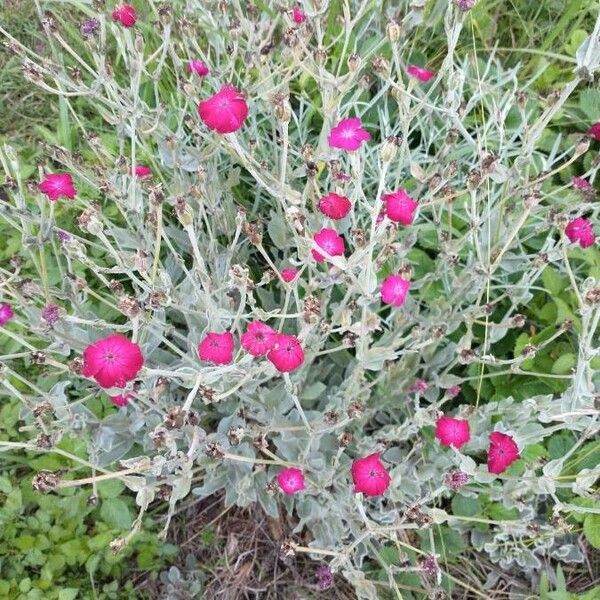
(184, 212)
(44, 408)
(192, 418)
(207, 394)
(117, 545)
(355, 410)
(254, 233)
(466, 356)
(160, 387)
(353, 62)
(344, 439)
(43, 441)
(235, 435)
(76, 365)
(45, 482)
(129, 306)
(37, 357)
(29, 288)
(271, 488)
(359, 238)
(350, 339)
(528, 350)
(89, 219)
(287, 549)
(158, 299)
(389, 148)
(214, 450)
(381, 66)
(593, 296)
(116, 287)
(307, 152)
(290, 37)
(312, 309)
(174, 418)
(260, 441)
(518, 320)
(331, 417)
(473, 179)
(283, 110)
(582, 146)
(320, 56)
(159, 437)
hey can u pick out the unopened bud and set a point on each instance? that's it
(353, 62)
(392, 30)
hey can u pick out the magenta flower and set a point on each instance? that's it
(452, 432)
(142, 171)
(289, 274)
(335, 206)
(6, 314)
(421, 74)
(502, 453)
(287, 354)
(225, 111)
(330, 241)
(297, 15)
(394, 290)
(370, 475)
(121, 399)
(348, 134)
(400, 207)
(594, 131)
(581, 230)
(125, 14)
(56, 185)
(290, 481)
(198, 67)
(112, 361)
(217, 348)
(258, 339)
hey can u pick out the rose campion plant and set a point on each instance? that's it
(298, 334)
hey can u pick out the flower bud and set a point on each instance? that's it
(389, 148)
(353, 62)
(392, 30)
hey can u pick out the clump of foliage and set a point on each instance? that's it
(463, 280)
(56, 547)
